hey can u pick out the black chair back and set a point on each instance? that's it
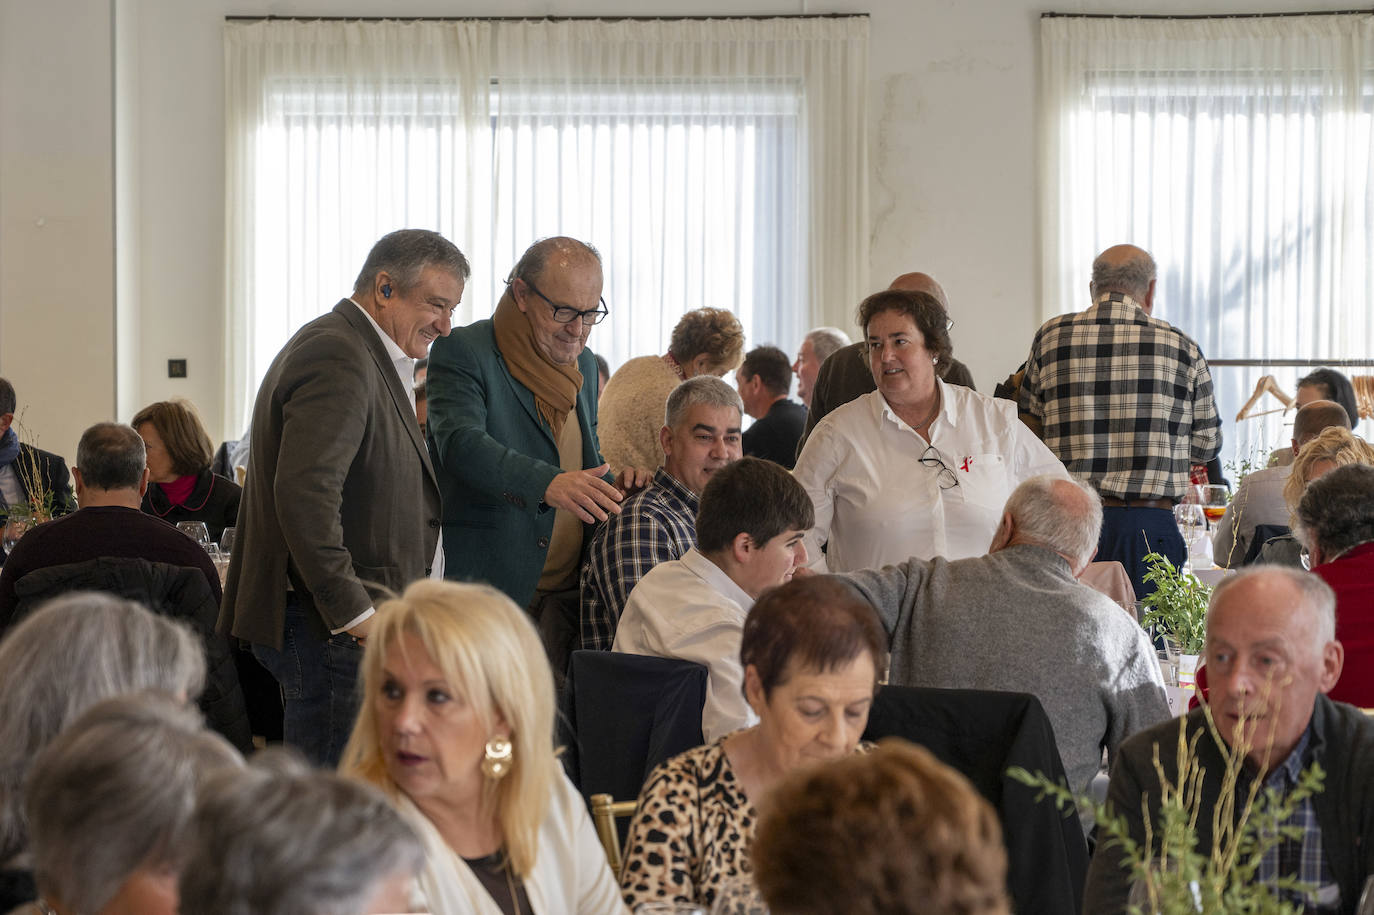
(623, 714)
(981, 733)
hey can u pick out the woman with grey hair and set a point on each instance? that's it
(68, 655)
(109, 804)
(277, 838)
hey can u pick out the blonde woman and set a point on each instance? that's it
(456, 725)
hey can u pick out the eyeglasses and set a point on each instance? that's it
(566, 314)
(944, 476)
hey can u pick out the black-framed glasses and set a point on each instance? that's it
(566, 314)
(944, 476)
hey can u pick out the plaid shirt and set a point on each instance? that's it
(1301, 858)
(653, 526)
(1125, 400)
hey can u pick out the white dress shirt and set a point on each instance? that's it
(877, 504)
(690, 609)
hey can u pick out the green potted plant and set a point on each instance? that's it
(1178, 607)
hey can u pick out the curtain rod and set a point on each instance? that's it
(537, 18)
(1292, 363)
(1367, 12)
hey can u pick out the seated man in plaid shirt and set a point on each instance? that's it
(1124, 399)
(1271, 654)
(701, 435)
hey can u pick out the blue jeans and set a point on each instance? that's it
(319, 684)
(1129, 533)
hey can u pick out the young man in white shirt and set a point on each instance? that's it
(750, 526)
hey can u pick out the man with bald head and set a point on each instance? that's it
(845, 375)
(1271, 656)
(1259, 498)
(1017, 619)
(1124, 399)
(512, 426)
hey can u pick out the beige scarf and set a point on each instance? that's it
(554, 387)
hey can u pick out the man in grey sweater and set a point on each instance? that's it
(1018, 620)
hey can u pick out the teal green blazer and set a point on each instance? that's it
(495, 459)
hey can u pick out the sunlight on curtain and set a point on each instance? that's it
(1239, 153)
(713, 162)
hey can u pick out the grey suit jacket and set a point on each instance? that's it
(340, 499)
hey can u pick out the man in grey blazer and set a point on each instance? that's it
(341, 500)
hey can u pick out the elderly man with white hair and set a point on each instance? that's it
(1271, 657)
(1017, 619)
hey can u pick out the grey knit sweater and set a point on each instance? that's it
(1017, 620)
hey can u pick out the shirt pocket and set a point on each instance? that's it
(983, 479)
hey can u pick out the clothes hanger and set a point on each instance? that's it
(1266, 385)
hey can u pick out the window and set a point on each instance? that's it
(705, 174)
(1237, 151)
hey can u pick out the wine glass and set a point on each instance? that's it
(739, 897)
(17, 523)
(226, 541)
(196, 530)
(1213, 500)
(1366, 903)
(1192, 521)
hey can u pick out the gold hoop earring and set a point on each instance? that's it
(499, 756)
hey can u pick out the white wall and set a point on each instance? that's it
(952, 149)
(57, 215)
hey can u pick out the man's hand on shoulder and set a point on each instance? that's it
(633, 479)
(584, 493)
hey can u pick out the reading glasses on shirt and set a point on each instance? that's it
(944, 476)
(566, 314)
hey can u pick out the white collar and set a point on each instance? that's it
(393, 349)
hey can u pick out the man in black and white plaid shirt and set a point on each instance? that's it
(1124, 399)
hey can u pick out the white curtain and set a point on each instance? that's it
(1239, 153)
(713, 162)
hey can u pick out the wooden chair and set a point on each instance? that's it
(605, 811)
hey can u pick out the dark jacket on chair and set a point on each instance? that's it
(178, 592)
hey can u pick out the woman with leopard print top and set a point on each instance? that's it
(813, 651)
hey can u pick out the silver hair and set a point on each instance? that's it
(111, 456)
(278, 838)
(1043, 516)
(1133, 277)
(405, 253)
(114, 792)
(69, 654)
(1316, 596)
(699, 390)
(826, 340)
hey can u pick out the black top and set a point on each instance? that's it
(214, 500)
(775, 436)
(491, 873)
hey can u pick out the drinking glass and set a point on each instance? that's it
(1213, 500)
(196, 530)
(1192, 521)
(18, 520)
(1366, 903)
(739, 897)
(226, 541)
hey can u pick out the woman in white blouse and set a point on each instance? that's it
(918, 467)
(456, 725)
